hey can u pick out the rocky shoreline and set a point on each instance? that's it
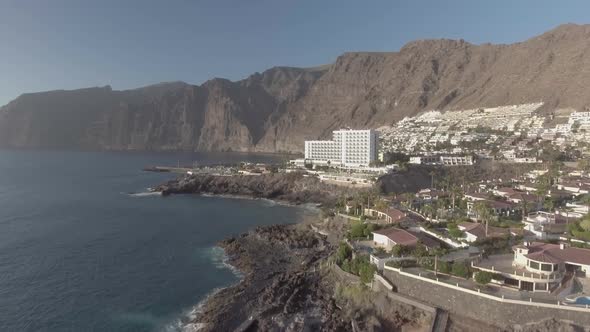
(294, 188)
(288, 281)
(282, 288)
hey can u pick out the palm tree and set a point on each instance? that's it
(408, 198)
(431, 173)
(428, 209)
(484, 213)
(586, 200)
(455, 192)
(524, 206)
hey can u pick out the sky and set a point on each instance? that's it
(69, 44)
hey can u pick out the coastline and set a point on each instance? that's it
(283, 286)
(276, 262)
(189, 322)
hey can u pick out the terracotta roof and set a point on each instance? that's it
(507, 190)
(426, 240)
(395, 214)
(552, 253)
(523, 197)
(501, 205)
(479, 230)
(399, 236)
(476, 195)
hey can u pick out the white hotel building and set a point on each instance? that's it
(348, 148)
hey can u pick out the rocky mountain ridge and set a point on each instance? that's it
(275, 111)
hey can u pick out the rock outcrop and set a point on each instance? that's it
(295, 188)
(281, 290)
(275, 111)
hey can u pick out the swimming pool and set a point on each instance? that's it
(582, 300)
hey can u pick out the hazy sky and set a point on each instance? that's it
(58, 44)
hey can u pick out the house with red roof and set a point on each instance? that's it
(390, 237)
(476, 231)
(390, 215)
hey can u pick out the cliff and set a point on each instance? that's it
(275, 111)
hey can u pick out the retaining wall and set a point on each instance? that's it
(487, 308)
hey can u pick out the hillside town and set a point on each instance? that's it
(486, 210)
(521, 237)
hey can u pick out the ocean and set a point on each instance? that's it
(78, 252)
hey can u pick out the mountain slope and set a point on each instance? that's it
(276, 110)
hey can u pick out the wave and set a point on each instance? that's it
(186, 322)
(145, 194)
(221, 261)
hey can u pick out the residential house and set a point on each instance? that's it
(390, 237)
(539, 267)
(390, 215)
(477, 231)
(546, 225)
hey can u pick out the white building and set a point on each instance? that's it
(348, 148)
(445, 160)
(579, 117)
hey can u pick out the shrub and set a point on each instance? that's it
(444, 267)
(369, 228)
(460, 270)
(397, 250)
(455, 233)
(366, 271)
(426, 262)
(379, 251)
(401, 263)
(357, 229)
(420, 251)
(343, 253)
(585, 224)
(483, 277)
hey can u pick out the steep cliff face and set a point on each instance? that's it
(276, 110)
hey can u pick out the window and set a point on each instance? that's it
(534, 265)
(546, 267)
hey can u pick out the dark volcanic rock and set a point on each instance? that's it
(292, 187)
(278, 109)
(282, 289)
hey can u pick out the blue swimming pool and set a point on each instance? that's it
(582, 300)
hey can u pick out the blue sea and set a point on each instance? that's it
(79, 253)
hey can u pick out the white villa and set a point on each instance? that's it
(539, 267)
(545, 225)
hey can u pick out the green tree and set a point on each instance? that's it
(428, 210)
(543, 186)
(585, 224)
(368, 231)
(408, 199)
(366, 272)
(549, 204)
(420, 250)
(483, 277)
(484, 213)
